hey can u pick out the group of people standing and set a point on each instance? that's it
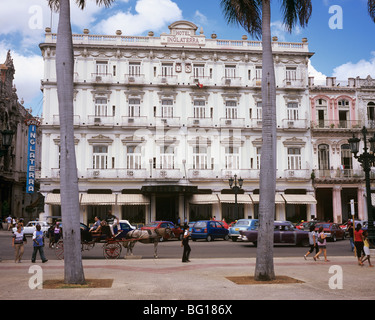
(19, 239)
(358, 240)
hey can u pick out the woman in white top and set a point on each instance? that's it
(18, 240)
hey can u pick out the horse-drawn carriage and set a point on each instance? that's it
(126, 236)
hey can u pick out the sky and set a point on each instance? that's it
(340, 33)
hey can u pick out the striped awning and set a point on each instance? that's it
(53, 199)
(278, 198)
(132, 200)
(230, 198)
(98, 199)
(204, 199)
(299, 199)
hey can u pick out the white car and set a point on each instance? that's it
(29, 229)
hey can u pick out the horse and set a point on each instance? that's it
(145, 236)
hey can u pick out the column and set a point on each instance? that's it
(362, 207)
(336, 199)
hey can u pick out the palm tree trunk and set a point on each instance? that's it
(68, 169)
(264, 269)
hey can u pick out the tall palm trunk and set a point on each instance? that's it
(264, 269)
(68, 169)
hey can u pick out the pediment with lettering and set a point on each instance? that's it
(183, 33)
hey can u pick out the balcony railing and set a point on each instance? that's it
(336, 124)
(339, 174)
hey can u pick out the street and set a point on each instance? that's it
(171, 249)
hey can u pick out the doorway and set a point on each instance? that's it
(167, 208)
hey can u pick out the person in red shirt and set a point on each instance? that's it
(358, 242)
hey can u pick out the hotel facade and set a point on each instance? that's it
(162, 124)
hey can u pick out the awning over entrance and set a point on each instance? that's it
(299, 199)
(88, 199)
(204, 199)
(230, 198)
(132, 200)
(278, 198)
(53, 199)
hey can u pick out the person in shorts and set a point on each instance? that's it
(366, 248)
(322, 244)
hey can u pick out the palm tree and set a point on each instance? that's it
(73, 269)
(255, 17)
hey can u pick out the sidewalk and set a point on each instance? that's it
(201, 279)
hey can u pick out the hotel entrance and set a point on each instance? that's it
(168, 202)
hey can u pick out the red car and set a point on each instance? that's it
(332, 230)
(177, 232)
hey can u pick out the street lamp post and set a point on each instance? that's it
(367, 159)
(236, 186)
(6, 136)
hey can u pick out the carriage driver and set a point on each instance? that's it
(113, 221)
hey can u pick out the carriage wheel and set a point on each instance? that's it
(59, 250)
(112, 250)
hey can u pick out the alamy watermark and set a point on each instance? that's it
(336, 282)
(337, 19)
(36, 280)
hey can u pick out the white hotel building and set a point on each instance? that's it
(162, 123)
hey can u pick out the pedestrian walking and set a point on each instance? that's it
(18, 241)
(358, 243)
(351, 235)
(312, 240)
(9, 222)
(38, 244)
(322, 244)
(56, 233)
(185, 244)
(366, 248)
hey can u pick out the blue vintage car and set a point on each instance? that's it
(242, 225)
(209, 230)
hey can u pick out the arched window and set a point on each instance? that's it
(344, 114)
(323, 157)
(371, 114)
(346, 160)
(321, 113)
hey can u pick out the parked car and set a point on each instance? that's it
(190, 225)
(29, 229)
(177, 232)
(284, 233)
(209, 230)
(331, 230)
(242, 224)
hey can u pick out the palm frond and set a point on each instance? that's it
(296, 12)
(55, 4)
(246, 13)
(371, 9)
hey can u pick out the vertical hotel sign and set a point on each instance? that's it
(31, 155)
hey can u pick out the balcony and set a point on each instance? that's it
(134, 78)
(295, 83)
(106, 121)
(342, 125)
(127, 122)
(101, 77)
(232, 123)
(56, 121)
(168, 122)
(166, 174)
(125, 174)
(297, 124)
(338, 174)
(233, 81)
(200, 122)
(299, 174)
